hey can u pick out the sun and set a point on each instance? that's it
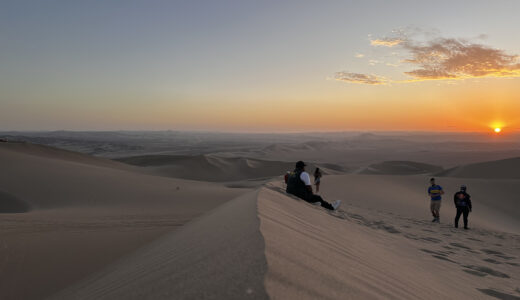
(498, 130)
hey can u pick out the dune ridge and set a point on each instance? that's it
(498, 169)
(11, 204)
(217, 256)
(269, 244)
(401, 168)
(217, 169)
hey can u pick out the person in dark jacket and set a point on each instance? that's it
(462, 202)
(299, 185)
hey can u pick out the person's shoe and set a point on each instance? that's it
(336, 204)
(317, 203)
(466, 228)
(434, 220)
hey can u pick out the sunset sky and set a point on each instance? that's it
(260, 65)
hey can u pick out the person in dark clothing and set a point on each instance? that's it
(317, 179)
(462, 202)
(299, 185)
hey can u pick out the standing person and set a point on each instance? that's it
(435, 191)
(462, 202)
(299, 184)
(317, 179)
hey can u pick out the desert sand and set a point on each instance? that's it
(77, 213)
(220, 225)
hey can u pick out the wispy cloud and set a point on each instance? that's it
(360, 78)
(458, 59)
(359, 55)
(387, 42)
(438, 58)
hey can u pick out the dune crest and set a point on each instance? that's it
(401, 168)
(11, 204)
(498, 169)
(217, 169)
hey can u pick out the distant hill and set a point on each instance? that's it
(401, 168)
(217, 169)
(498, 169)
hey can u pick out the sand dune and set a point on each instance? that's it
(500, 169)
(359, 253)
(11, 204)
(219, 256)
(401, 168)
(372, 248)
(59, 154)
(495, 202)
(88, 228)
(81, 213)
(217, 169)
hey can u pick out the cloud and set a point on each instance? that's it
(438, 58)
(387, 42)
(360, 78)
(458, 59)
(359, 55)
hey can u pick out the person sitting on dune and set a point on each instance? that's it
(299, 185)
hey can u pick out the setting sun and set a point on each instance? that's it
(497, 130)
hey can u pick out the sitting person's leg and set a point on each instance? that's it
(316, 198)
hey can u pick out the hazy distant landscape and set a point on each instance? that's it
(348, 150)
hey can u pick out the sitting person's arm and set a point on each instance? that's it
(307, 180)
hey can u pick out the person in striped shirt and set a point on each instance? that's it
(435, 191)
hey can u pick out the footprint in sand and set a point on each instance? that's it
(487, 251)
(460, 246)
(445, 259)
(490, 260)
(474, 239)
(430, 239)
(499, 295)
(497, 254)
(486, 271)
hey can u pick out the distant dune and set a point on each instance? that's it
(401, 168)
(499, 169)
(217, 169)
(59, 154)
(64, 215)
(11, 204)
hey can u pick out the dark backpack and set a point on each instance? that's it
(296, 186)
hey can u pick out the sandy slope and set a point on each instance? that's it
(360, 253)
(506, 168)
(387, 251)
(495, 204)
(84, 213)
(218, 256)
